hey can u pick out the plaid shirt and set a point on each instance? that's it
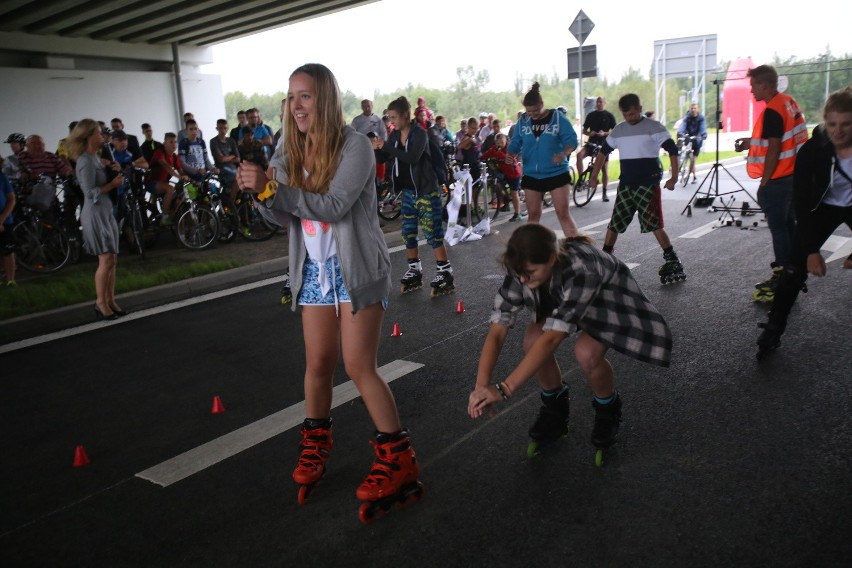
(597, 294)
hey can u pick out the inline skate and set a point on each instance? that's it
(551, 424)
(393, 479)
(313, 454)
(442, 284)
(765, 291)
(413, 277)
(605, 430)
(286, 293)
(672, 270)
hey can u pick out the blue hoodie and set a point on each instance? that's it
(537, 153)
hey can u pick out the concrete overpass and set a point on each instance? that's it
(139, 60)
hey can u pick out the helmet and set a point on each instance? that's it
(483, 115)
(562, 109)
(16, 137)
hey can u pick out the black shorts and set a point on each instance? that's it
(544, 185)
(7, 241)
(588, 152)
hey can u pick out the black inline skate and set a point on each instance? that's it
(443, 282)
(413, 277)
(605, 430)
(551, 424)
(765, 291)
(286, 293)
(672, 270)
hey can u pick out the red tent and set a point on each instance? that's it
(739, 109)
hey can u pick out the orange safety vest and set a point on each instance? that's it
(795, 135)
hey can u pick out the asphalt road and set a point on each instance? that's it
(722, 461)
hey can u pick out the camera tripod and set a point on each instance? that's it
(713, 175)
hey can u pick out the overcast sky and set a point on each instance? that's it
(391, 43)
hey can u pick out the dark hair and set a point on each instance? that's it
(533, 244)
(169, 135)
(221, 121)
(145, 125)
(239, 112)
(533, 96)
(191, 121)
(629, 101)
(71, 125)
(765, 74)
(400, 105)
(439, 117)
(245, 130)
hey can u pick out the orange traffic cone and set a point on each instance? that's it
(396, 331)
(459, 307)
(218, 407)
(80, 457)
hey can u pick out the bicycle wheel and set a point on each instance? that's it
(390, 203)
(583, 191)
(150, 224)
(197, 227)
(500, 199)
(137, 227)
(251, 224)
(228, 222)
(41, 247)
(481, 202)
(683, 172)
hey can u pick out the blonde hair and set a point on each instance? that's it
(324, 138)
(78, 141)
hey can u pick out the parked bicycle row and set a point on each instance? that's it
(47, 232)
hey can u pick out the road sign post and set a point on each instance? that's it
(580, 28)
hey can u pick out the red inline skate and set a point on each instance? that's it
(392, 481)
(314, 450)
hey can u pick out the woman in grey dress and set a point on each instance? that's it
(100, 230)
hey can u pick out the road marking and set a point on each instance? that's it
(24, 343)
(211, 453)
(699, 232)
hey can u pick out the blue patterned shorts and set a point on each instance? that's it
(311, 294)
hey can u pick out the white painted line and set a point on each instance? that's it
(593, 225)
(211, 453)
(840, 246)
(631, 265)
(699, 232)
(135, 315)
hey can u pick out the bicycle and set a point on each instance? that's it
(40, 245)
(251, 224)
(196, 225)
(210, 190)
(389, 200)
(686, 157)
(131, 211)
(584, 191)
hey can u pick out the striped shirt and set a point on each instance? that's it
(638, 148)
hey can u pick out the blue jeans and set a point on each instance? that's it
(775, 199)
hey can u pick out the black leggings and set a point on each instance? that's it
(824, 220)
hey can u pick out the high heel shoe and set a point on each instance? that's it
(99, 315)
(119, 313)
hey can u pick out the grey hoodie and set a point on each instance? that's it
(350, 206)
